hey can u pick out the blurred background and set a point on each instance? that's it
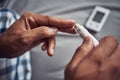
(52, 68)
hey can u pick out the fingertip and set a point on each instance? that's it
(50, 52)
(51, 46)
(88, 40)
(73, 21)
(67, 23)
(44, 46)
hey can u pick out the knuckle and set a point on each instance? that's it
(110, 38)
(47, 19)
(103, 68)
(115, 69)
(45, 31)
(24, 39)
(114, 62)
(26, 14)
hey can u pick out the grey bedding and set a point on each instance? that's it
(52, 68)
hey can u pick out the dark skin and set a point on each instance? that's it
(31, 30)
(95, 63)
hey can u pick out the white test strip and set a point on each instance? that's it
(84, 33)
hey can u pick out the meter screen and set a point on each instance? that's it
(98, 16)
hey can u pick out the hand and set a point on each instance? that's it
(31, 30)
(95, 63)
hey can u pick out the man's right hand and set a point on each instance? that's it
(95, 63)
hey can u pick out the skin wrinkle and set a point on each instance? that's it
(113, 50)
(48, 21)
(30, 19)
(27, 24)
(61, 23)
(116, 53)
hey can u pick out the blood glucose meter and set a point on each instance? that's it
(97, 18)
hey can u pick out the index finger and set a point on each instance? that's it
(52, 21)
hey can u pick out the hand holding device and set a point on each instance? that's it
(95, 63)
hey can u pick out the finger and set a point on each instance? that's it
(68, 30)
(50, 21)
(44, 46)
(105, 48)
(116, 53)
(51, 46)
(82, 51)
(42, 33)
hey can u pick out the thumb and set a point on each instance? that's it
(43, 32)
(82, 51)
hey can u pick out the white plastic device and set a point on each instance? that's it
(84, 33)
(97, 18)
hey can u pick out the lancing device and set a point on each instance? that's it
(84, 33)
